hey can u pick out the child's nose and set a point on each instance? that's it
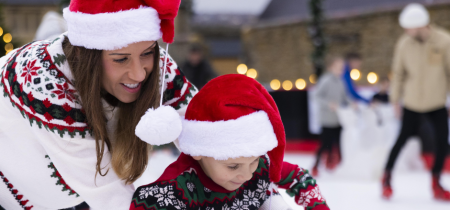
(247, 175)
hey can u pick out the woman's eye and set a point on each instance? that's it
(148, 53)
(120, 60)
(233, 167)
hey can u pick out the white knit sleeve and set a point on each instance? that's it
(75, 159)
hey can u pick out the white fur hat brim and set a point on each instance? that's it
(248, 136)
(112, 31)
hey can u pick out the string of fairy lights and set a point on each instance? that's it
(301, 83)
(7, 38)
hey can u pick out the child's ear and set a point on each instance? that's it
(197, 158)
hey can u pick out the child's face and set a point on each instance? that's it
(231, 173)
(337, 67)
(384, 86)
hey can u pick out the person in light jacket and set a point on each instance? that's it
(420, 84)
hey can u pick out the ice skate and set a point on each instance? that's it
(386, 185)
(439, 192)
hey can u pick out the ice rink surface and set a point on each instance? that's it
(346, 189)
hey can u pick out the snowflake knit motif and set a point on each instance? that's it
(251, 199)
(165, 196)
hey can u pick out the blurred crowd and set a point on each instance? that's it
(420, 81)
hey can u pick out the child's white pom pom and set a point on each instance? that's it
(160, 126)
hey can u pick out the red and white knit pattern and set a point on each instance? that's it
(21, 201)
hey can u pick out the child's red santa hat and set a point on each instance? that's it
(114, 24)
(234, 116)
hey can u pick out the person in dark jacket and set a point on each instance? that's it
(197, 68)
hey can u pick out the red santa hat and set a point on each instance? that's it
(114, 24)
(234, 116)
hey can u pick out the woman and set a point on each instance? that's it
(71, 105)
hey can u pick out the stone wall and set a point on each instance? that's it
(23, 21)
(283, 51)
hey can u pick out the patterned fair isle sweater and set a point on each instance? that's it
(47, 154)
(184, 185)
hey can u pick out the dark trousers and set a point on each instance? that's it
(410, 125)
(331, 138)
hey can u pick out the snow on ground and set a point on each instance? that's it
(412, 189)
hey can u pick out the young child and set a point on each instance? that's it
(232, 143)
(330, 94)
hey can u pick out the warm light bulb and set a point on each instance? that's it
(355, 74)
(252, 73)
(7, 38)
(1, 31)
(242, 68)
(275, 84)
(9, 47)
(372, 78)
(287, 85)
(300, 84)
(312, 78)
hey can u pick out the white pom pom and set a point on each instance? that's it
(160, 126)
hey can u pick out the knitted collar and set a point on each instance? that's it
(185, 163)
(55, 50)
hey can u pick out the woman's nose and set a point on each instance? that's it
(137, 72)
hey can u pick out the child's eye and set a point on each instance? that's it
(120, 60)
(233, 167)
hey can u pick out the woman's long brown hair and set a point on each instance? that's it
(129, 154)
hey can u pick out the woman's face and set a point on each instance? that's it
(126, 69)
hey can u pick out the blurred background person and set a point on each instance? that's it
(421, 70)
(197, 68)
(352, 61)
(382, 96)
(51, 26)
(330, 95)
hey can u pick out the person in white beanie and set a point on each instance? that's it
(232, 143)
(421, 77)
(70, 105)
